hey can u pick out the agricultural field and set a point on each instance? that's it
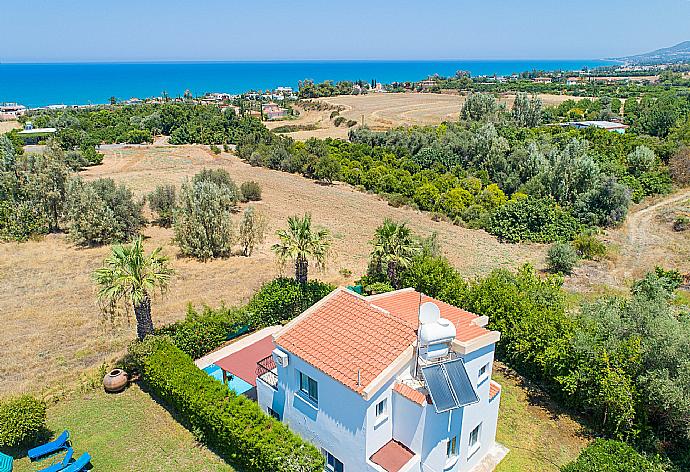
(382, 111)
(53, 327)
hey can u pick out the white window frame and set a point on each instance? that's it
(483, 376)
(327, 466)
(473, 447)
(380, 416)
(452, 448)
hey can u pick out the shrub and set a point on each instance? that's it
(588, 246)
(351, 123)
(530, 219)
(283, 299)
(220, 177)
(682, 223)
(339, 120)
(22, 419)
(214, 149)
(232, 425)
(252, 230)
(200, 333)
(378, 287)
(101, 212)
(327, 168)
(397, 200)
(203, 225)
(21, 220)
(163, 201)
(679, 166)
(250, 191)
(561, 258)
(611, 456)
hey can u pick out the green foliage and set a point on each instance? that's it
(232, 425)
(101, 212)
(221, 178)
(163, 201)
(202, 222)
(22, 419)
(394, 249)
(21, 220)
(214, 149)
(250, 191)
(251, 230)
(588, 246)
(479, 107)
(200, 333)
(612, 456)
(327, 168)
(300, 243)
(561, 258)
(530, 219)
(283, 299)
(378, 287)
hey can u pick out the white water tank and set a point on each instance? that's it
(435, 333)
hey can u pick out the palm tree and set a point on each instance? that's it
(131, 276)
(300, 243)
(395, 246)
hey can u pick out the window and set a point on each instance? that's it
(332, 464)
(474, 441)
(452, 447)
(381, 408)
(483, 373)
(273, 413)
(309, 387)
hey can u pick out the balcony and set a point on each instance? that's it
(266, 371)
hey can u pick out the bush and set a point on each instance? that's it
(561, 258)
(588, 246)
(214, 149)
(530, 219)
(679, 166)
(283, 299)
(232, 425)
(351, 123)
(250, 191)
(397, 200)
(22, 419)
(163, 201)
(611, 456)
(220, 177)
(339, 120)
(101, 212)
(200, 333)
(252, 230)
(378, 287)
(682, 223)
(203, 225)
(21, 220)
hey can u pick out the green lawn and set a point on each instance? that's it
(540, 437)
(127, 432)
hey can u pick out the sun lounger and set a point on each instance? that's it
(58, 466)
(78, 465)
(5, 463)
(50, 447)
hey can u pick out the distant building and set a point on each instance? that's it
(427, 84)
(11, 111)
(542, 80)
(33, 135)
(575, 80)
(607, 125)
(272, 111)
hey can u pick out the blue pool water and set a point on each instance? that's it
(83, 83)
(235, 383)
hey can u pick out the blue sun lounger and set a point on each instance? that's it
(5, 463)
(78, 465)
(50, 447)
(58, 466)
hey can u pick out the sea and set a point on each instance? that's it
(37, 85)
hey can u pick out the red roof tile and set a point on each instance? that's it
(410, 393)
(348, 336)
(494, 388)
(392, 456)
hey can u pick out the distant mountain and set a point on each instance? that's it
(678, 53)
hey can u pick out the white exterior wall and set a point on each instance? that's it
(345, 424)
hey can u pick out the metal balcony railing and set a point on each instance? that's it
(266, 370)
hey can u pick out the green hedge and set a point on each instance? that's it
(611, 456)
(283, 299)
(21, 420)
(230, 424)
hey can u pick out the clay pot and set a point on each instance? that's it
(115, 381)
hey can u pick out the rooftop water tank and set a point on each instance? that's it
(435, 333)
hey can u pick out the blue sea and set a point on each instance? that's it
(35, 85)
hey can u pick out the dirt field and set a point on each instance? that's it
(381, 111)
(6, 126)
(53, 329)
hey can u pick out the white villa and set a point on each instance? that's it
(395, 382)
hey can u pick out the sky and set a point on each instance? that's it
(229, 30)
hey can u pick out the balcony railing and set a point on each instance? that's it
(266, 371)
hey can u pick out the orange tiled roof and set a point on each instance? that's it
(405, 304)
(494, 388)
(346, 335)
(410, 393)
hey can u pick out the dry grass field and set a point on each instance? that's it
(381, 111)
(6, 126)
(52, 327)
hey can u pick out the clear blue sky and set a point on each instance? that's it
(126, 30)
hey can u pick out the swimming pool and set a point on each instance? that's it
(235, 383)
